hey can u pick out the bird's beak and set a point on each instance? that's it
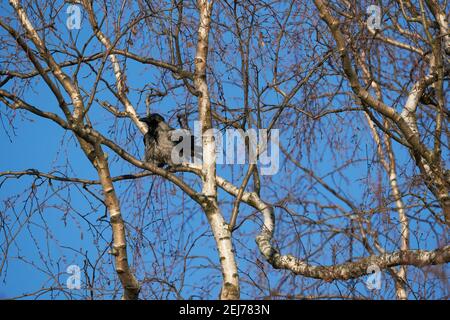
(143, 119)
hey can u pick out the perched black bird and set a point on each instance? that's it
(159, 143)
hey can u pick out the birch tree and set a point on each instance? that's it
(356, 94)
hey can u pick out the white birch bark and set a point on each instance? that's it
(222, 234)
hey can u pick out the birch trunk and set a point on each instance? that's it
(222, 234)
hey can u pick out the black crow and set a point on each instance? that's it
(159, 143)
